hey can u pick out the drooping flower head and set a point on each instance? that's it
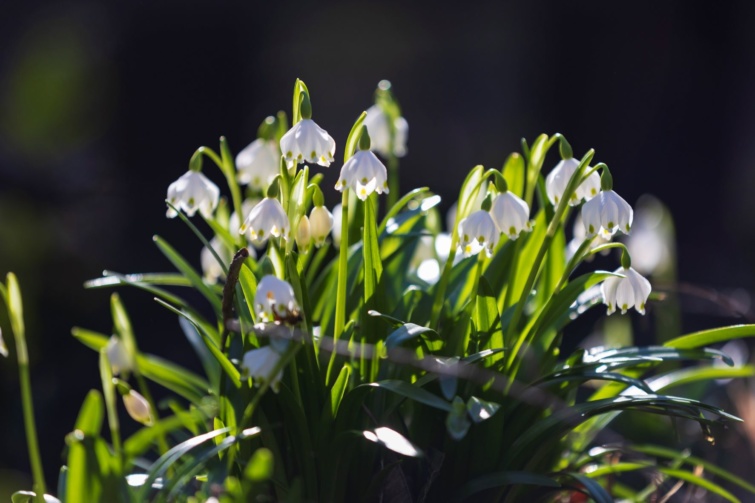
(193, 191)
(558, 179)
(363, 172)
(306, 141)
(624, 293)
(320, 224)
(607, 212)
(259, 162)
(477, 232)
(266, 219)
(510, 212)
(384, 121)
(259, 364)
(138, 408)
(275, 300)
(118, 356)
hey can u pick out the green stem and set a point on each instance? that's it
(112, 412)
(144, 390)
(229, 172)
(393, 180)
(553, 226)
(343, 258)
(440, 293)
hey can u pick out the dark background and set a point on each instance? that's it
(102, 104)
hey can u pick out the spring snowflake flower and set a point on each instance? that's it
(266, 219)
(138, 408)
(306, 141)
(605, 214)
(320, 224)
(275, 300)
(117, 355)
(558, 179)
(511, 214)
(377, 123)
(624, 293)
(191, 192)
(258, 163)
(363, 172)
(260, 363)
(303, 234)
(478, 231)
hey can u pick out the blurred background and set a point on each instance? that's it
(103, 103)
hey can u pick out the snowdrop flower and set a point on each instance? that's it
(138, 408)
(478, 231)
(306, 141)
(607, 212)
(117, 355)
(378, 125)
(320, 224)
(363, 172)
(258, 163)
(511, 214)
(558, 179)
(275, 300)
(191, 192)
(259, 364)
(336, 229)
(303, 234)
(624, 293)
(266, 219)
(246, 207)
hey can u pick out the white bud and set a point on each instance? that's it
(138, 408)
(303, 234)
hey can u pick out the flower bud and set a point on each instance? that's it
(117, 355)
(138, 408)
(321, 222)
(303, 234)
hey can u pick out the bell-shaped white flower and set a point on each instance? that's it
(363, 172)
(307, 142)
(511, 214)
(477, 232)
(138, 408)
(266, 219)
(191, 192)
(259, 365)
(378, 125)
(624, 293)
(579, 236)
(320, 224)
(258, 163)
(558, 179)
(605, 214)
(118, 356)
(275, 300)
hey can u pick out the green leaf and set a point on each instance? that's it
(696, 374)
(339, 389)
(138, 443)
(700, 482)
(84, 480)
(183, 266)
(714, 336)
(260, 467)
(412, 392)
(406, 332)
(143, 282)
(513, 173)
(353, 138)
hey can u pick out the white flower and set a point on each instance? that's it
(138, 408)
(191, 192)
(266, 219)
(511, 214)
(259, 364)
(117, 355)
(320, 224)
(303, 234)
(337, 213)
(258, 163)
(579, 236)
(623, 293)
(605, 214)
(558, 179)
(380, 133)
(364, 174)
(478, 231)
(274, 300)
(307, 142)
